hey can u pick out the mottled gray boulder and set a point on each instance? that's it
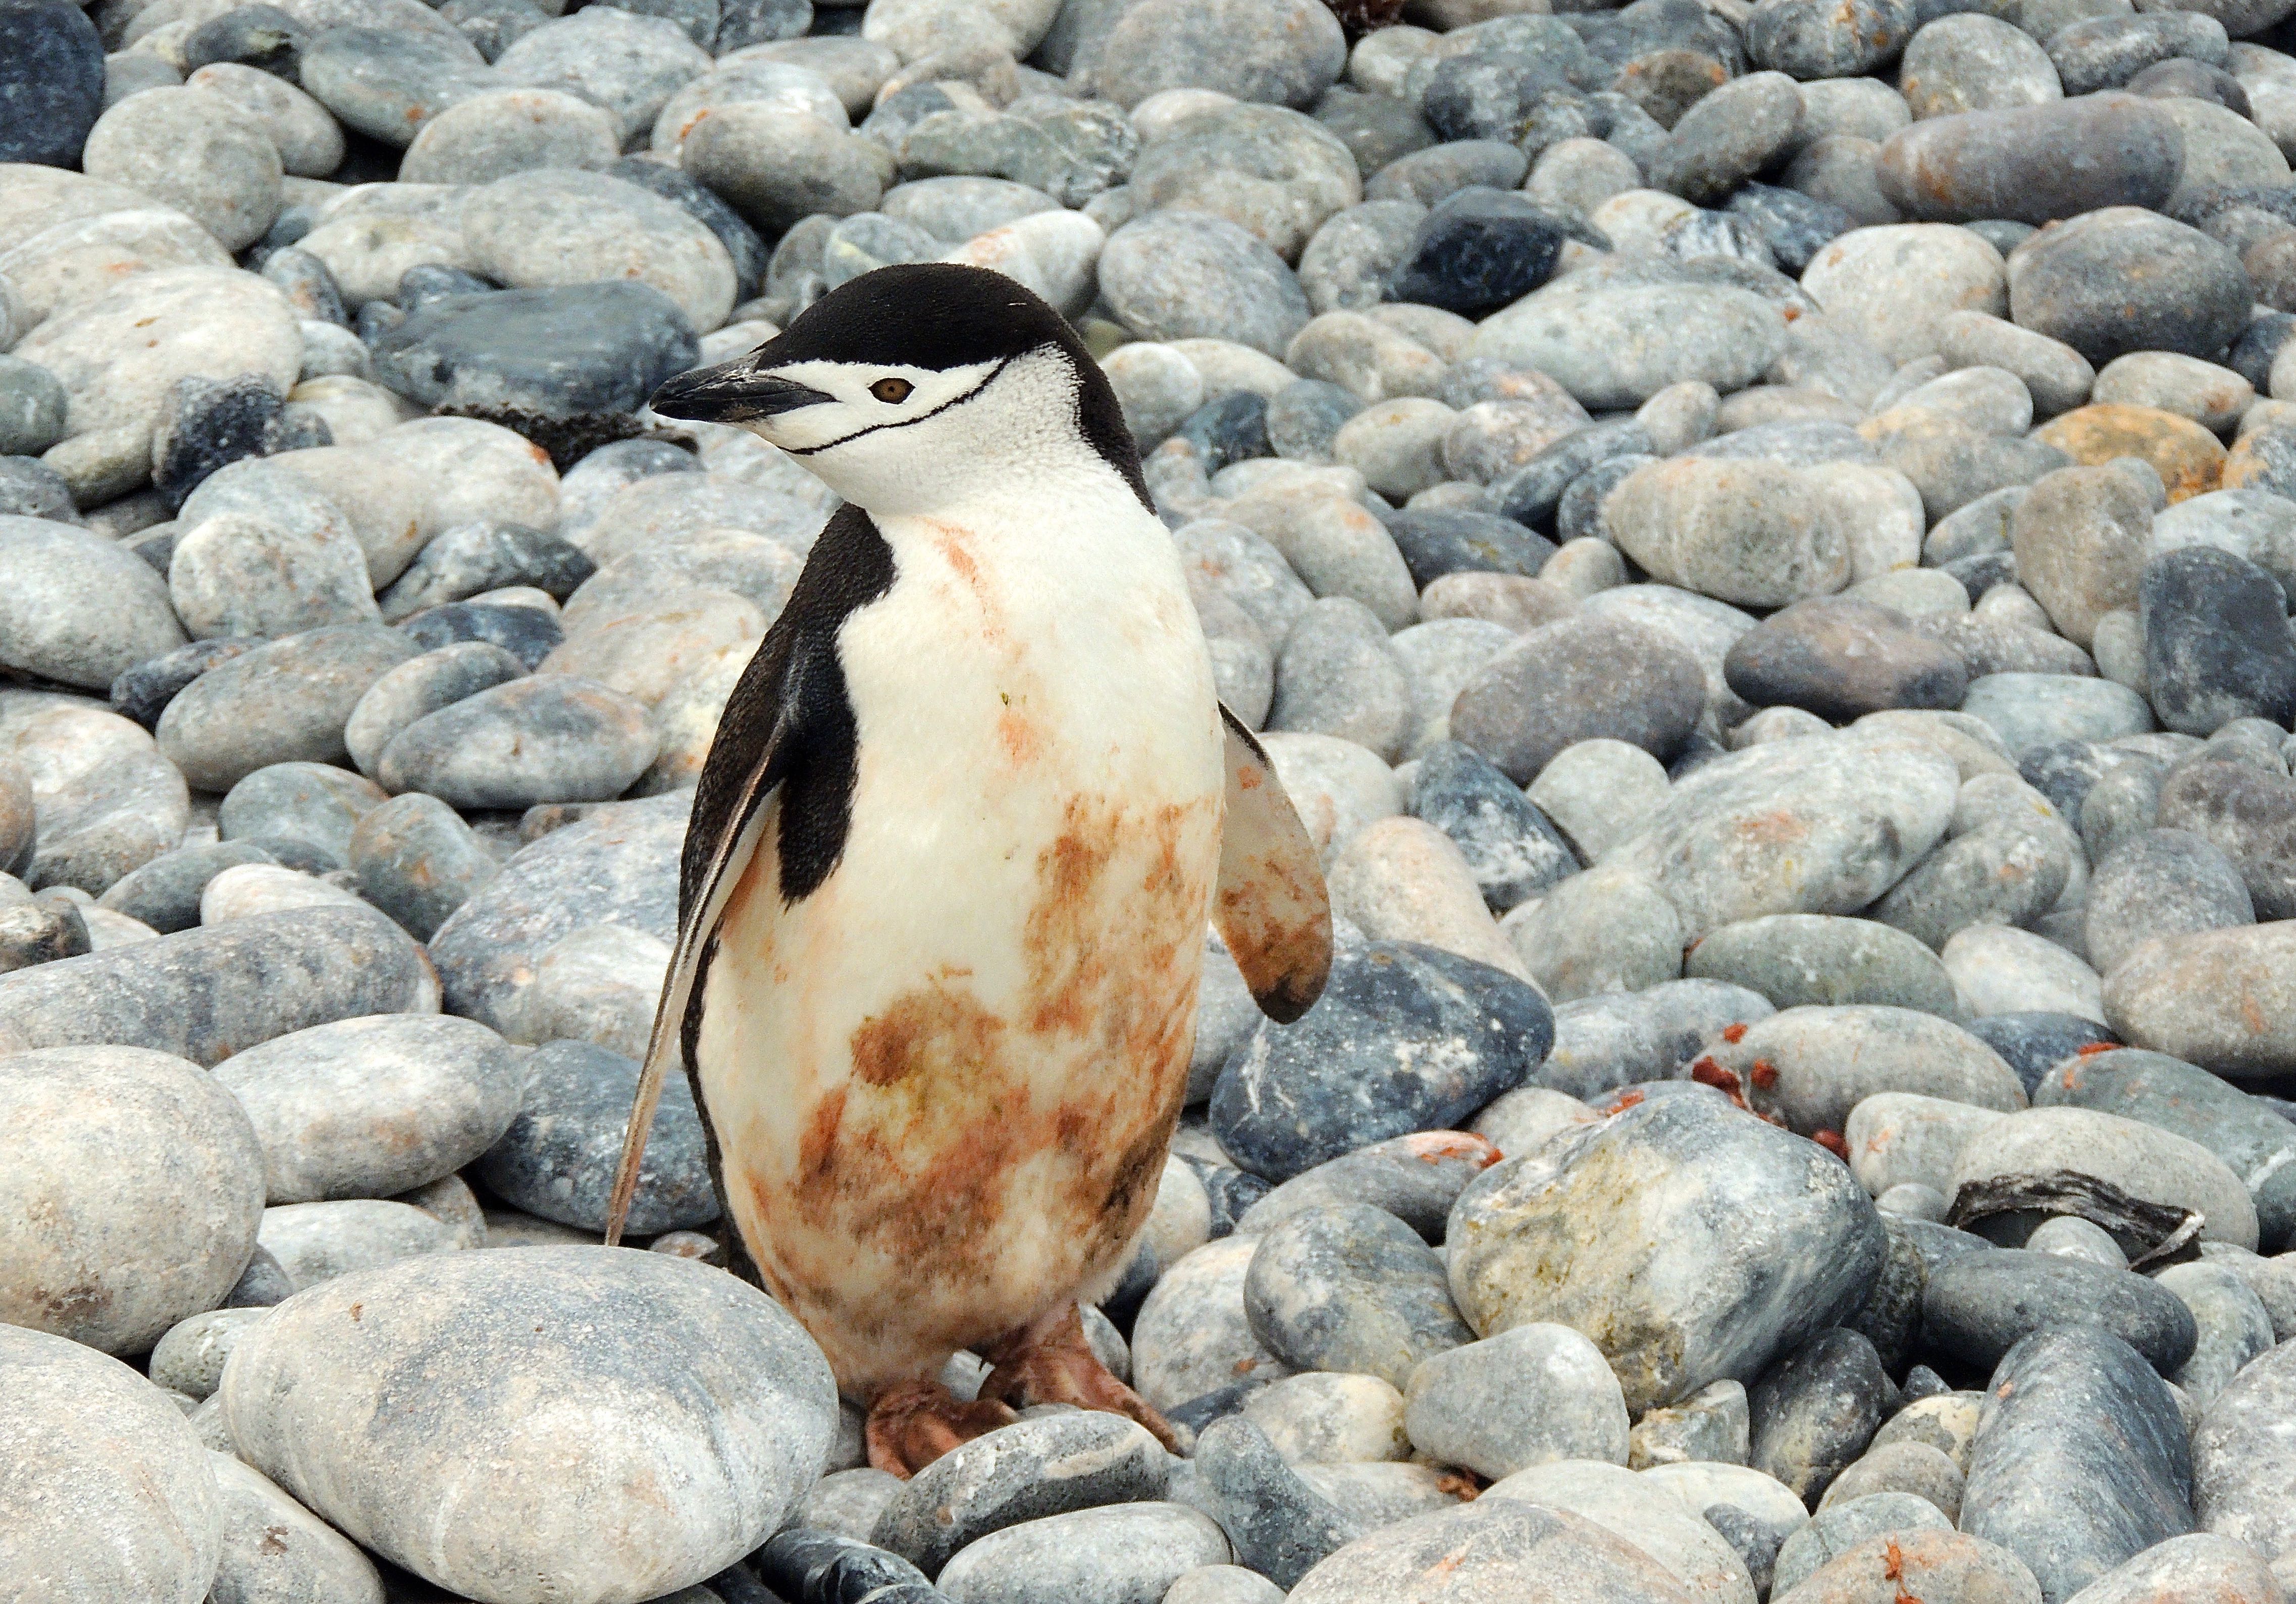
(417, 860)
(614, 1369)
(281, 702)
(205, 994)
(1824, 1062)
(1280, 1525)
(2159, 882)
(108, 1492)
(1818, 825)
(1348, 1287)
(1025, 1472)
(2081, 1460)
(1756, 533)
(1798, 960)
(1407, 1038)
(1616, 1228)
(1579, 679)
(1498, 1547)
(617, 866)
(76, 607)
(2247, 813)
(134, 1186)
(1526, 1396)
(2033, 164)
(164, 893)
(1813, 1412)
(372, 1107)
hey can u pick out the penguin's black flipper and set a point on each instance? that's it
(788, 726)
(1271, 907)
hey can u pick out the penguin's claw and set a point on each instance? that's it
(1052, 1363)
(911, 1425)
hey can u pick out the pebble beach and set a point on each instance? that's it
(1758, 539)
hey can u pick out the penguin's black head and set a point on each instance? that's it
(905, 383)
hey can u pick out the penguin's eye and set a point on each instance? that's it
(891, 391)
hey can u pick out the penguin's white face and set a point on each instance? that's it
(915, 389)
(857, 399)
(893, 439)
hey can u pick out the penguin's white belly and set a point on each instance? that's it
(943, 1085)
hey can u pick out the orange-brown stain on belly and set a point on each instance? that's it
(917, 1155)
(935, 1029)
(1020, 738)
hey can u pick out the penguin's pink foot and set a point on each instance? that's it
(1050, 1360)
(911, 1425)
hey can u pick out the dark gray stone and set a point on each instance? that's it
(1979, 1307)
(2217, 646)
(51, 81)
(1435, 541)
(2123, 280)
(558, 1157)
(1514, 851)
(1027, 1471)
(1406, 1038)
(529, 634)
(1840, 658)
(2249, 815)
(1814, 1411)
(164, 893)
(418, 861)
(561, 352)
(2080, 1459)
(1280, 1525)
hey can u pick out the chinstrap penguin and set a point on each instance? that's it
(944, 895)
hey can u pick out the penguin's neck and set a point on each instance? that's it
(1070, 536)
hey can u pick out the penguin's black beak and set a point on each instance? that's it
(731, 392)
